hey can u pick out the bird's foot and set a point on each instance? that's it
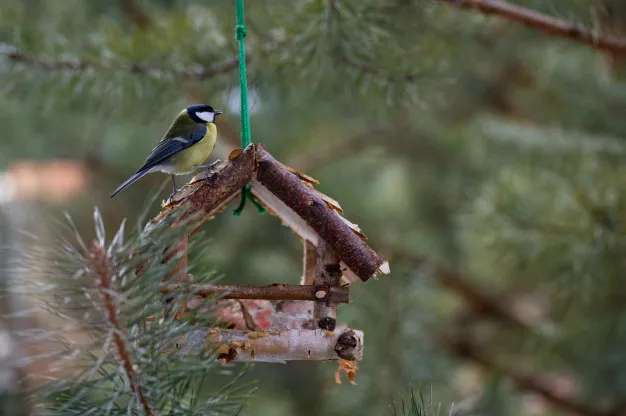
(208, 168)
(177, 191)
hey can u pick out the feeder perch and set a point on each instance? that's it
(279, 322)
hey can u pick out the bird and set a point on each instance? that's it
(186, 144)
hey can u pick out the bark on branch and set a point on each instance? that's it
(271, 292)
(547, 24)
(350, 248)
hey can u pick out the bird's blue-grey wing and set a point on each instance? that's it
(169, 147)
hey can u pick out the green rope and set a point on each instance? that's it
(240, 34)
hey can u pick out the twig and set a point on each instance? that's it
(100, 266)
(523, 381)
(547, 24)
(271, 292)
(196, 73)
(248, 319)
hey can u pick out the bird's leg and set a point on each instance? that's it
(175, 191)
(207, 167)
(174, 188)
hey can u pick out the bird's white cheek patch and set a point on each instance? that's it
(206, 116)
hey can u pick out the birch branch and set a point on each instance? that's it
(279, 346)
(547, 24)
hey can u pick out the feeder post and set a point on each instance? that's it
(328, 274)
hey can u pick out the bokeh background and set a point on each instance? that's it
(482, 158)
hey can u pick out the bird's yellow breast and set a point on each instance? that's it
(185, 160)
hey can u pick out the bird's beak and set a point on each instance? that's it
(217, 112)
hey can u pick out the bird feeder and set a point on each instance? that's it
(298, 321)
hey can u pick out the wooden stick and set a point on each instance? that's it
(319, 294)
(328, 276)
(275, 346)
(547, 24)
(354, 252)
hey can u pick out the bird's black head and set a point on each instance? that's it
(202, 113)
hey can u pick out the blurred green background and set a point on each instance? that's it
(483, 160)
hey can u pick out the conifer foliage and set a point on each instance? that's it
(119, 348)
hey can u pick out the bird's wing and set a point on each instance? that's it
(169, 146)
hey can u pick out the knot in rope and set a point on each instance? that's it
(240, 32)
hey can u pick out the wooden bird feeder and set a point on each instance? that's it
(280, 322)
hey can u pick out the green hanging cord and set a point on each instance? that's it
(240, 34)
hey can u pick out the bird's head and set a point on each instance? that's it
(202, 113)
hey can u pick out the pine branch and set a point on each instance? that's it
(526, 382)
(196, 73)
(547, 24)
(100, 266)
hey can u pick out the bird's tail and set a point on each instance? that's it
(129, 181)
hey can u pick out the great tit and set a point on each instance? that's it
(186, 144)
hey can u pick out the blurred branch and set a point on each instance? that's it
(195, 72)
(547, 24)
(526, 382)
(134, 13)
(319, 156)
(538, 227)
(365, 69)
(480, 302)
